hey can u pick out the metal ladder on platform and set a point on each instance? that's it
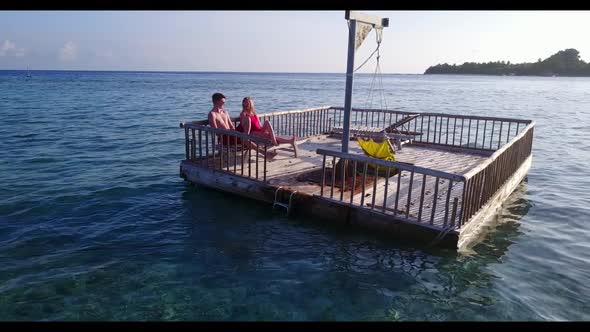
(286, 206)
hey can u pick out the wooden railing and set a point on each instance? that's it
(225, 150)
(466, 131)
(475, 132)
(468, 192)
(302, 123)
(486, 179)
(387, 194)
(369, 117)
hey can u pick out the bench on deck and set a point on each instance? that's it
(392, 133)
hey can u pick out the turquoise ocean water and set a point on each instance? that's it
(96, 224)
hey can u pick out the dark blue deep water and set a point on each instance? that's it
(96, 224)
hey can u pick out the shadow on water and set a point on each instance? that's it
(233, 258)
(503, 230)
(228, 211)
(305, 269)
(460, 287)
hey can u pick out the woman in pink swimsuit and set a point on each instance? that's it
(250, 124)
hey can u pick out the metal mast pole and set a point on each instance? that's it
(353, 17)
(349, 77)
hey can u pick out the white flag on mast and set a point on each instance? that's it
(362, 31)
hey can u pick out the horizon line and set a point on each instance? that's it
(198, 71)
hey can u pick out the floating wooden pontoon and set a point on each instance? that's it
(443, 186)
(451, 175)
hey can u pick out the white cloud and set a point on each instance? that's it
(8, 48)
(69, 52)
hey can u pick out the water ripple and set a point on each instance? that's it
(97, 225)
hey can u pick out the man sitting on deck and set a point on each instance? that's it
(218, 117)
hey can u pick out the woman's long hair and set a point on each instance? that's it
(252, 109)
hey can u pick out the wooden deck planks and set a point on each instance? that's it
(283, 169)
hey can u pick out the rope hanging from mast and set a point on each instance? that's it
(377, 75)
(379, 37)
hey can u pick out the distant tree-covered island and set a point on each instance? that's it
(562, 63)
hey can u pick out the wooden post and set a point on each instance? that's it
(364, 183)
(200, 146)
(399, 176)
(228, 152)
(476, 132)
(422, 198)
(322, 120)
(250, 159)
(213, 146)
(314, 123)
(362, 117)
(390, 116)
(343, 163)
(483, 143)
(463, 200)
(434, 133)
(221, 141)
(244, 147)
(257, 152)
(469, 132)
(427, 131)
(447, 202)
(500, 134)
(194, 145)
(447, 133)
(454, 129)
(292, 124)
(353, 182)
(461, 136)
(440, 130)
(455, 201)
(333, 177)
(387, 174)
(298, 124)
(264, 172)
(409, 194)
(492, 134)
(375, 178)
(186, 144)
(434, 200)
(421, 126)
(323, 176)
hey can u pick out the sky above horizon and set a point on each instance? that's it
(280, 41)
